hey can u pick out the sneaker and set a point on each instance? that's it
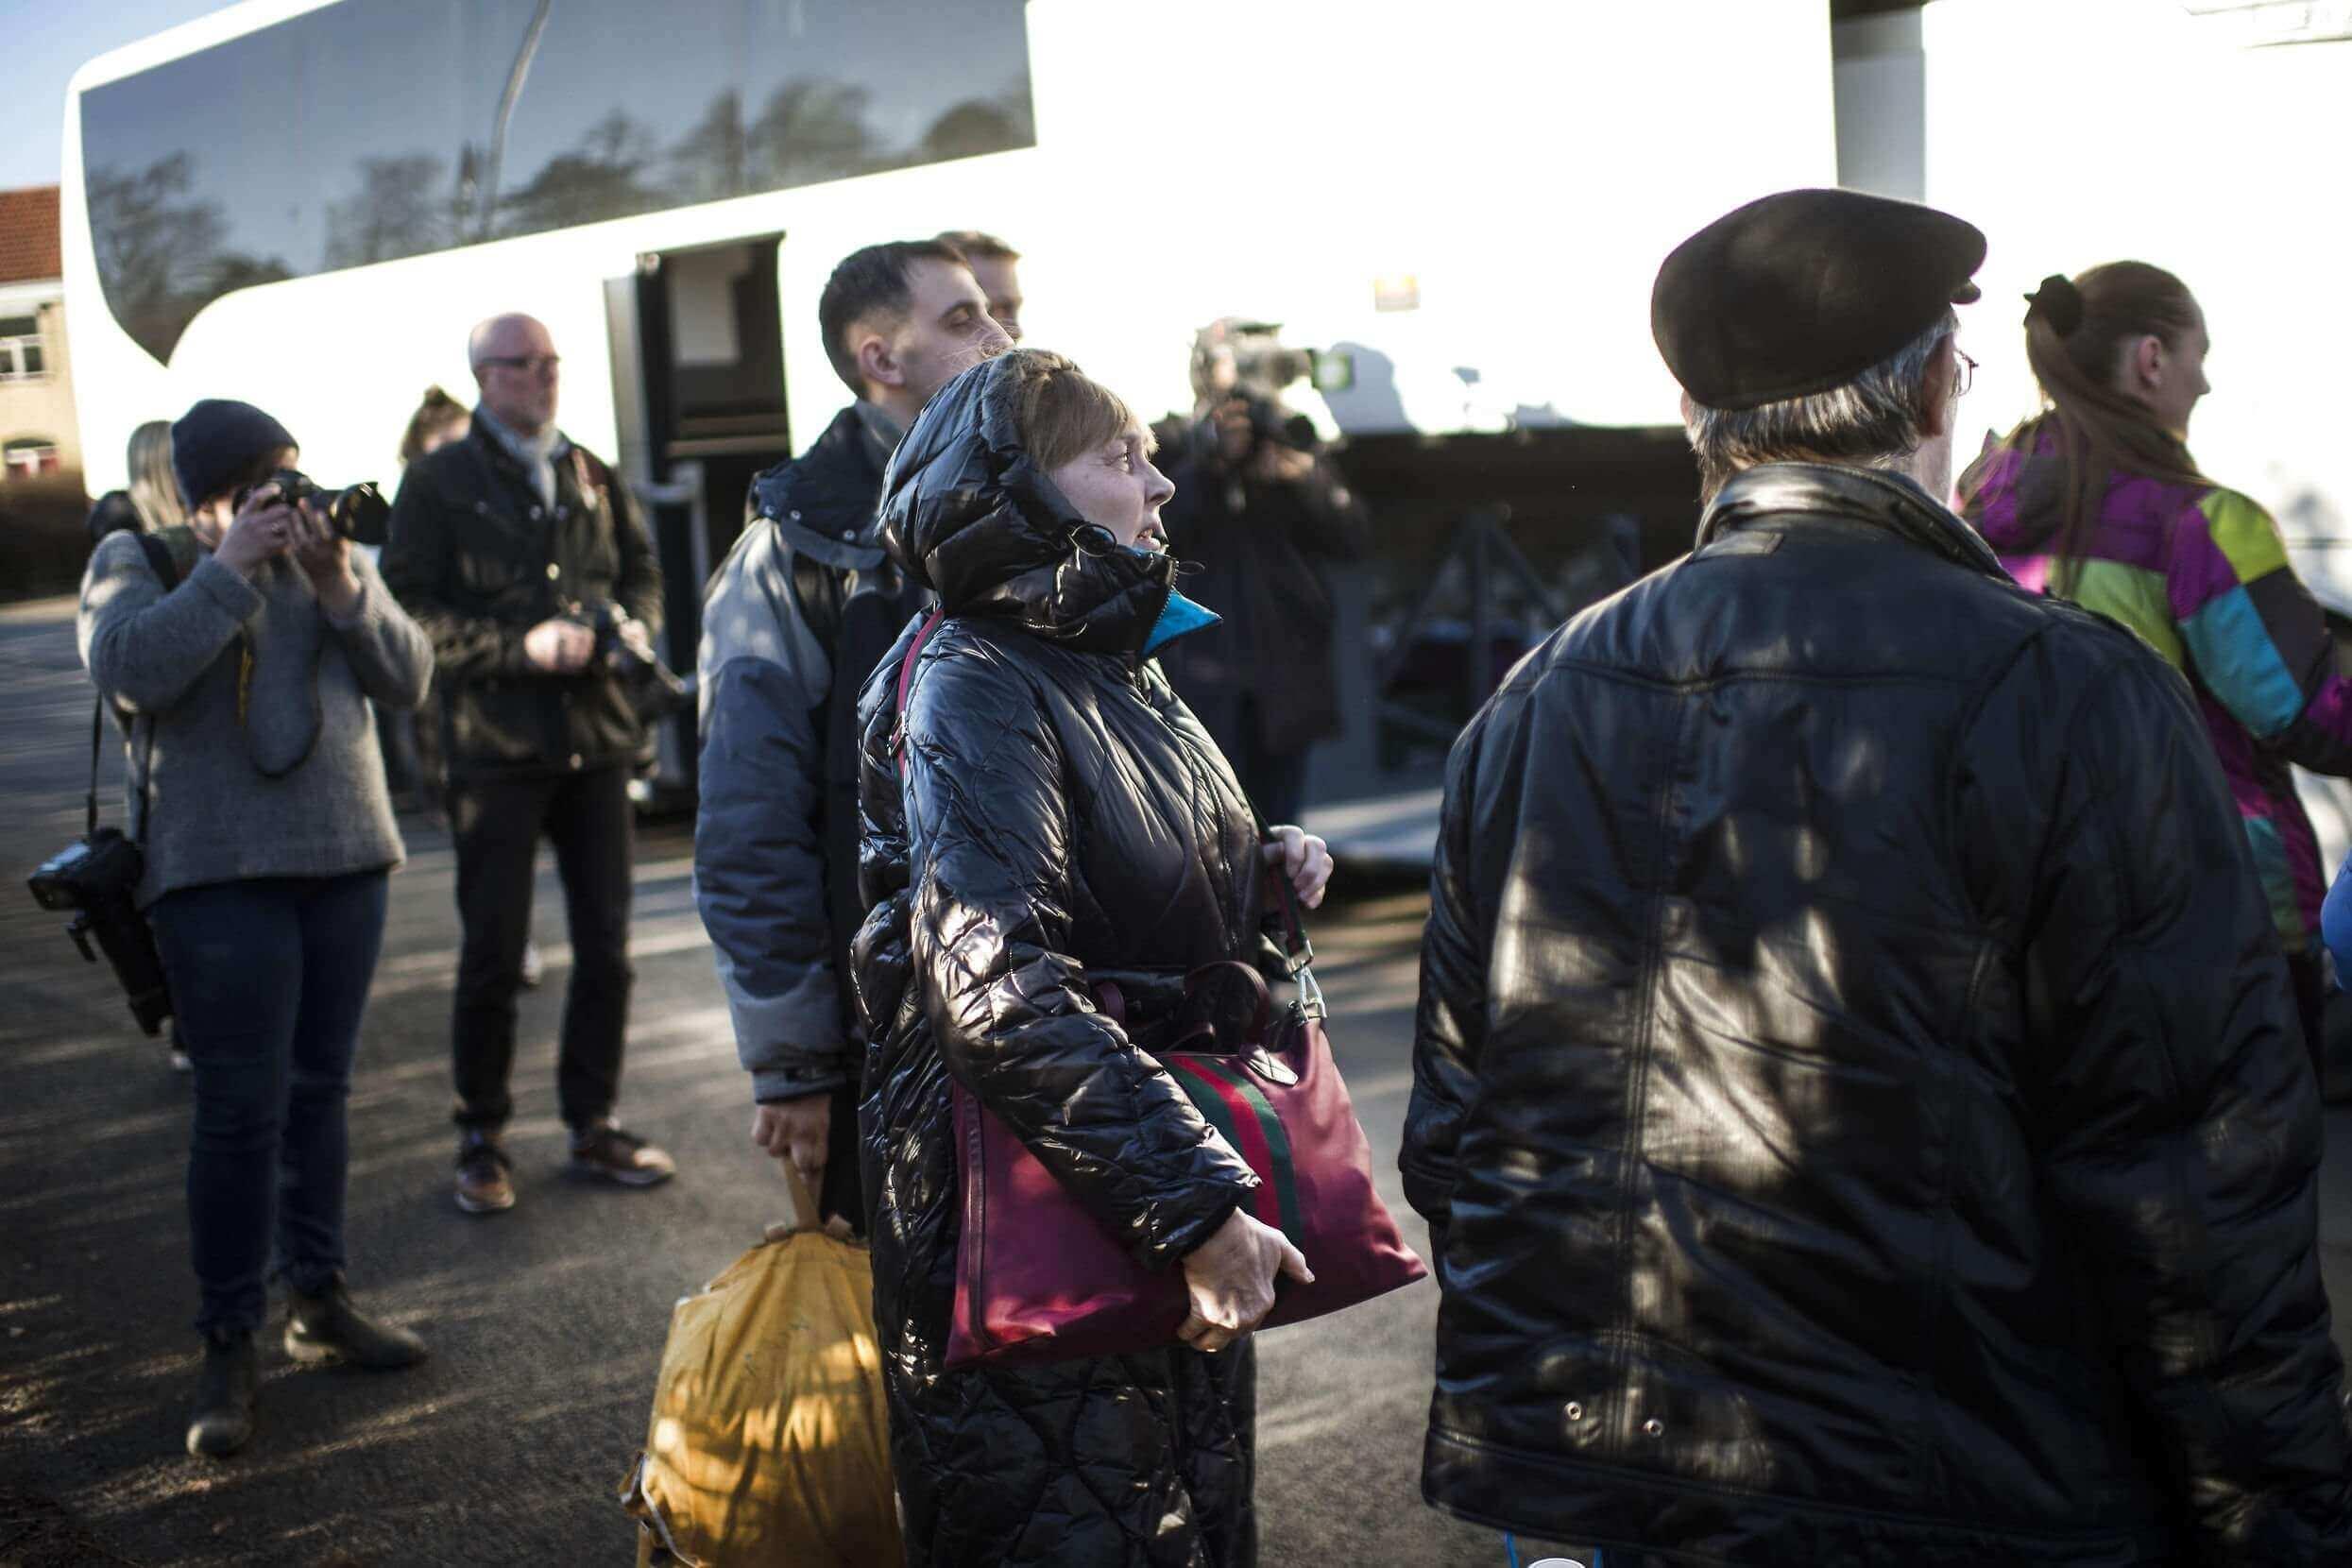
(222, 1422)
(482, 1187)
(534, 966)
(602, 1151)
(327, 1327)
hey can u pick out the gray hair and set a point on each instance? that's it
(1872, 421)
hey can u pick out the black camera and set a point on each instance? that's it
(97, 879)
(1271, 424)
(358, 512)
(653, 689)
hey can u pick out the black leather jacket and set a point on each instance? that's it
(1068, 816)
(1858, 1098)
(475, 557)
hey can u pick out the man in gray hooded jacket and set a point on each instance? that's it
(795, 619)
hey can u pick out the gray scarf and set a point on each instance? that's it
(536, 454)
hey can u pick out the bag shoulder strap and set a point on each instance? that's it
(171, 553)
(160, 561)
(97, 734)
(906, 683)
(1299, 952)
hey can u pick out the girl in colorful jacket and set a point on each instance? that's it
(2097, 499)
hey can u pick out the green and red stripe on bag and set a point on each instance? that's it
(1239, 1110)
(1038, 1279)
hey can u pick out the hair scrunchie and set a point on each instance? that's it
(2058, 303)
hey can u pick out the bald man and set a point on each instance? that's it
(508, 546)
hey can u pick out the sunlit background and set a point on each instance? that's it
(1460, 207)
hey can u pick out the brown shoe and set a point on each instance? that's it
(482, 1187)
(603, 1152)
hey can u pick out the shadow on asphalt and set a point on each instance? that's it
(545, 1323)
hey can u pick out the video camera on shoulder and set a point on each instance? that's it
(357, 512)
(1233, 360)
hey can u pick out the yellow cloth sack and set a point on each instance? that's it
(769, 1441)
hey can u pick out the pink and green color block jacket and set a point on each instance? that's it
(2201, 574)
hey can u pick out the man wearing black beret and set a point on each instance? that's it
(1858, 1103)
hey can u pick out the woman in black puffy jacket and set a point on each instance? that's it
(1058, 816)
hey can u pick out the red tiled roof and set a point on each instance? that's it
(28, 235)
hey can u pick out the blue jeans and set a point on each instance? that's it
(269, 978)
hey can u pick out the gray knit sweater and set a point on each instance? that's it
(173, 658)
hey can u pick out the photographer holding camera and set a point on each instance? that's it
(245, 646)
(524, 558)
(1259, 506)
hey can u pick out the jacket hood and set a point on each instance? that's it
(969, 515)
(823, 500)
(1892, 501)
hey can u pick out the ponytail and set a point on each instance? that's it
(2075, 331)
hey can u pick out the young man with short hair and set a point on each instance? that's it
(795, 620)
(993, 263)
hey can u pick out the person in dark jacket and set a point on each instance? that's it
(1060, 815)
(517, 550)
(1857, 1102)
(795, 617)
(1264, 510)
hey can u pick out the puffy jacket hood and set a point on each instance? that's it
(823, 500)
(969, 515)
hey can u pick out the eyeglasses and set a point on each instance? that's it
(522, 362)
(1967, 372)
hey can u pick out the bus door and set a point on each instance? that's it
(698, 400)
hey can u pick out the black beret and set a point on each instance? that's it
(1804, 291)
(216, 441)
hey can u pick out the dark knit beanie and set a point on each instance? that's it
(219, 439)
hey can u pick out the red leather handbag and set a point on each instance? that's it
(1039, 1279)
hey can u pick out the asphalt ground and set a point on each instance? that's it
(546, 1322)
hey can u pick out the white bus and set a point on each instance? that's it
(307, 205)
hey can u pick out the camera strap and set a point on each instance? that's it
(97, 736)
(98, 739)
